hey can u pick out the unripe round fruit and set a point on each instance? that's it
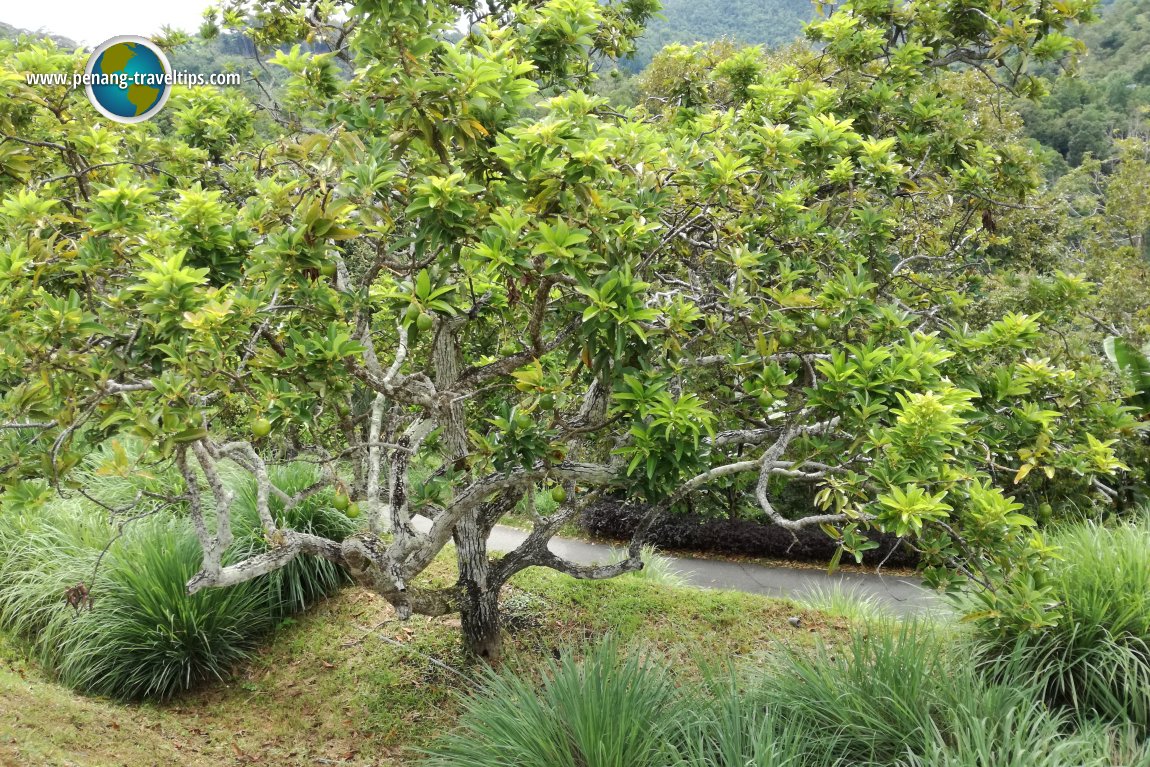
(558, 494)
(424, 321)
(341, 502)
(261, 427)
(327, 269)
(352, 511)
(822, 322)
(1045, 512)
(786, 340)
(411, 315)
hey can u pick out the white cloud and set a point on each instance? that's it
(92, 21)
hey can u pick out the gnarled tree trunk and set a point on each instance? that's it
(478, 594)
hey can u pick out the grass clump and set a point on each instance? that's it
(908, 695)
(731, 728)
(657, 568)
(305, 580)
(845, 601)
(1095, 658)
(609, 710)
(878, 698)
(141, 635)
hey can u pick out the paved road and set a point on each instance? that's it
(900, 594)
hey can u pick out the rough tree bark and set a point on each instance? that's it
(479, 598)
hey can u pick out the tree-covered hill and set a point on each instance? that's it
(1110, 97)
(771, 22)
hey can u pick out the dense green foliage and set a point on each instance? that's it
(1109, 97)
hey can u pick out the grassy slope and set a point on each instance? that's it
(330, 688)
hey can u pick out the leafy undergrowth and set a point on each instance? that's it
(347, 683)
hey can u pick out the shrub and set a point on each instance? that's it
(1095, 658)
(607, 710)
(612, 518)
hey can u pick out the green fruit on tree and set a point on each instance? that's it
(261, 427)
(822, 322)
(786, 340)
(327, 269)
(1045, 512)
(341, 502)
(352, 511)
(424, 321)
(411, 315)
(558, 494)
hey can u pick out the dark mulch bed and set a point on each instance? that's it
(612, 518)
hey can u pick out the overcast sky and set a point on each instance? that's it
(93, 21)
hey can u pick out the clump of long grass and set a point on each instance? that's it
(728, 727)
(141, 635)
(879, 696)
(844, 601)
(1007, 726)
(43, 555)
(657, 568)
(610, 709)
(905, 696)
(1096, 660)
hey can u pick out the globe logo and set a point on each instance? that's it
(128, 79)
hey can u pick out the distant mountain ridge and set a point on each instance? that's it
(7, 31)
(767, 22)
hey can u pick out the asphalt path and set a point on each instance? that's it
(900, 594)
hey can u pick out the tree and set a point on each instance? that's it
(458, 260)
